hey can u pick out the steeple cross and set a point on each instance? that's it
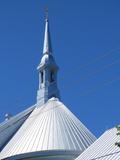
(46, 12)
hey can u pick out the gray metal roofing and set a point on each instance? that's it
(46, 155)
(49, 127)
(9, 127)
(103, 148)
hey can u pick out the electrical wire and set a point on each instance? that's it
(105, 83)
(97, 59)
(96, 71)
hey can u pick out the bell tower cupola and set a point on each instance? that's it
(47, 70)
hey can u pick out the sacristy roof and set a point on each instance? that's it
(103, 148)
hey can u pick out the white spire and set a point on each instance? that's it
(47, 71)
(47, 49)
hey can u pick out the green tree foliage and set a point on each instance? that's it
(118, 134)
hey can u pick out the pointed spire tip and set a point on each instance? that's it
(47, 41)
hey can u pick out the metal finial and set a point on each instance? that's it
(46, 13)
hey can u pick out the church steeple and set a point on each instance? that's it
(47, 48)
(47, 71)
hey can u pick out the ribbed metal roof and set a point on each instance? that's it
(9, 127)
(104, 148)
(49, 128)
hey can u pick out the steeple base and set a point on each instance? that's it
(44, 95)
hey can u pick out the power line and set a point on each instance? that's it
(83, 94)
(97, 87)
(100, 70)
(97, 59)
(97, 71)
(101, 57)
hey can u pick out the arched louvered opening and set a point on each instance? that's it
(41, 76)
(52, 76)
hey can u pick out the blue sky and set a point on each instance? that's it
(86, 44)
